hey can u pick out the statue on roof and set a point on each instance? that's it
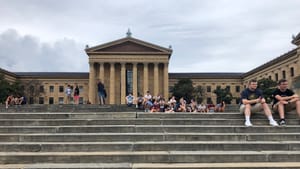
(128, 33)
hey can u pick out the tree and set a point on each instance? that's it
(223, 95)
(183, 88)
(32, 90)
(6, 88)
(267, 86)
(199, 93)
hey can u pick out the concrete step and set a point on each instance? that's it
(139, 115)
(150, 129)
(253, 165)
(219, 115)
(68, 115)
(67, 108)
(111, 137)
(150, 146)
(134, 121)
(149, 157)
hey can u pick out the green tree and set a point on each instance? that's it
(32, 90)
(183, 88)
(199, 93)
(223, 95)
(267, 86)
(6, 88)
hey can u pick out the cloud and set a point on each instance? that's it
(27, 53)
(228, 35)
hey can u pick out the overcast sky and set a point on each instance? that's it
(206, 35)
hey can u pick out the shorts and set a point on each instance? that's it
(254, 109)
(287, 107)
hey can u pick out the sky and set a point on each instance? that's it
(205, 35)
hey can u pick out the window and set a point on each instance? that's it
(237, 89)
(218, 87)
(41, 100)
(208, 88)
(60, 100)
(270, 77)
(31, 101)
(42, 89)
(283, 74)
(228, 88)
(209, 101)
(276, 76)
(129, 81)
(51, 89)
(292, 72)
(51, 100)
(31, 89)
(61, 89)
(80, 89)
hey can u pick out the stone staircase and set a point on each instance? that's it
(137, 140)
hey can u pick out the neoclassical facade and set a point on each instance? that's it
(130, 65)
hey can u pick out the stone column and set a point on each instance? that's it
(166, 81)
(146, 74)
(92, 84)
(123, 83)
(156, 80)
(134, 76)
(112, 84)
(101, 72)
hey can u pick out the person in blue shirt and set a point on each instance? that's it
(252, 100)
(129, 100)
(101, 92)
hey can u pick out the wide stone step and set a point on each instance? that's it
(252, 165)
(110, 137)
(109, 115)
(219, 115)
(149, 157)
(130, 121)
(149, 146)
(149, 128)
(68, 115)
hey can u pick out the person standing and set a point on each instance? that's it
(284, 100)
(252, 101)
(101, 92)
(76, 94)
(69, 94)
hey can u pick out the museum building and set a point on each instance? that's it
(130, 65)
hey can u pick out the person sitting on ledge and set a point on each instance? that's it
(252, 100)
(285, 100)
(220, 107)
(10, 100)
(129, 100)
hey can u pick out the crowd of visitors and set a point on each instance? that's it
(14, 100)
(158, 103)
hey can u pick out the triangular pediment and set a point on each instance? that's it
(128, 45)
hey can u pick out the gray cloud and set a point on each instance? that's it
(206, 36)
(28, 53)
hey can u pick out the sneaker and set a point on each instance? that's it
(273, 123)
(282, 122)
(248, 124)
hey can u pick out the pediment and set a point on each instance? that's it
(128, 45)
